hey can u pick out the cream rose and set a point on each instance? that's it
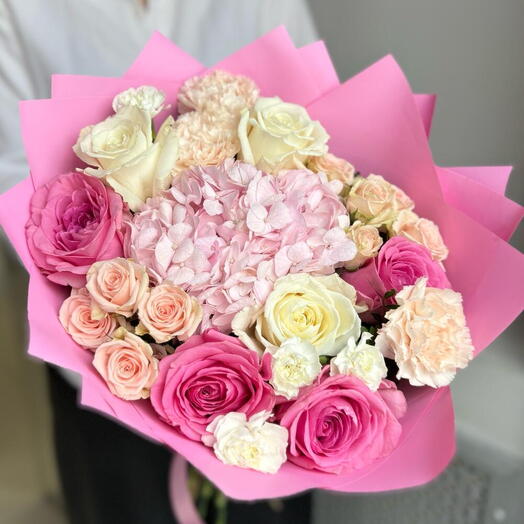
(422, 231)
(127, 365)
(204, 139)
(122, 152)
(277, 135)
(116, 286)
(375, 201)
(335, 168)
(147, 98)
(75, 317)
(426, 335)
(317, 309)
(362, 360)
(367, 240)
(167, 311)
(254, 443)
(217, 92)
(294, 364)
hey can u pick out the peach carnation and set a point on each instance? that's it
(426, 335)
(75, 316)
(422, 231)
(217, 92)
(204, 139)
(167, 311)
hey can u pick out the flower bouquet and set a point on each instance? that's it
(260, 267)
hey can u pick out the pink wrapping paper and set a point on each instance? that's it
(374, 121)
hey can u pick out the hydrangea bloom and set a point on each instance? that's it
(226, 233)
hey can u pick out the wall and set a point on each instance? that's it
(469, 52)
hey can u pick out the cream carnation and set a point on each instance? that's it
(116, 286)
(320, 310)
(367, 240)
(167, 311)
(204, 139)
(375, 201)
(217, 92)
(335, 168)
(75, 316)
(422, 231)
(254, 443)
(277, 135)
(361, 360)
(426, 335)
(294, 364)
(147, 98)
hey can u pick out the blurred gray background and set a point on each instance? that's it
(471, 54)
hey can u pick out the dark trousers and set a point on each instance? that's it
(109, 475)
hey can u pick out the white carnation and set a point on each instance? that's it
(146, 98)
(361, 360)
(255, 444)
(294, 364)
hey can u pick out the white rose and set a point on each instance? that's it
(255, 444)
(147, 98)
(277, 135)
(361, 360)
(294, 364)
(122, 152)
(318, 309)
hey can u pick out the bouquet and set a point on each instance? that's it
(260, 267)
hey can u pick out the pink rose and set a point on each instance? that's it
(167, 311)
(74, 221)
(75, 317)
(117, 286)
(338, 424)
(370, 289)
(127, 365)
(401, 263)
(209, 375)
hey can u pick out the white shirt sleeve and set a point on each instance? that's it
(15, 85)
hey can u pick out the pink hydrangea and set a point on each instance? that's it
(226, 233)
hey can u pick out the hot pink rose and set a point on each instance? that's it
(369, 287)
(75, 316)
(74, 221)
(401, 263)
(127, 365)
(338, 424)
(209, 375)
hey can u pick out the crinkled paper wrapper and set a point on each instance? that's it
(375, 122)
